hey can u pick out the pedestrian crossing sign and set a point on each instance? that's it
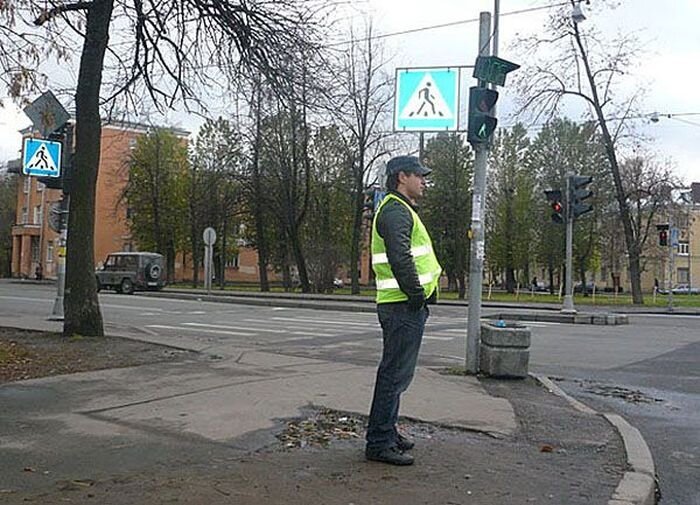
(41, 158)
(426, 99)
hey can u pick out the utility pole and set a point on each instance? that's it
(476, 263)
(568, 307)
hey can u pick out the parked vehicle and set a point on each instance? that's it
(126, 272)
(590, 287)
(684, 289)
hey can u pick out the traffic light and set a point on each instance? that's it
(663, 234)
(554, 197)
(482, 122)
(578, 193)
(373, 197)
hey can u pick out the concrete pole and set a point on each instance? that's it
(568, 307)
(496, 25)
(476, 266)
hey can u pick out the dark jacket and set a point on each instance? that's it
(394, 225)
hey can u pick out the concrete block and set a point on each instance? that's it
(505, 350)
(615, 319)
(512, 335)
(506, 362)
(601, 319)
(583, 319)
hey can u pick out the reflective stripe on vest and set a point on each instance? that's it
(425, 261)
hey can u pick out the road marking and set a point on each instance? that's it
(321, 321)
(166, 327)
(311, 334)
(433, 337)
(227, 327)
(19, 298)
(131, 307)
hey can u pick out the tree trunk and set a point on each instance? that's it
(550, 270)
(82, 308)
(633, 251)
(222, 254)
(461, 286)
(356, 239)
(258, 209)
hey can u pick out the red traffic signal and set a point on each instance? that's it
(554, 197)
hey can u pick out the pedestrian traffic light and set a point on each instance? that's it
(663, 234)
(482, 122)
(554, 197)
(578, 193)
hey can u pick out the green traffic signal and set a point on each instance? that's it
(493, 69)
(482, 122)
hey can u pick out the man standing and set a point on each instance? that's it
(407, 275)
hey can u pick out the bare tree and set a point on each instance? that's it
(160, 50)
(579, 64)
(360, 100)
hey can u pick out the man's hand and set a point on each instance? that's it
(416, 302)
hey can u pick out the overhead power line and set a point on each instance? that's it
(444, 25)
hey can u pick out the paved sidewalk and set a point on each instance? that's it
(202, 430)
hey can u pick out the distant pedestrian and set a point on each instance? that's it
(39, 272)
(407, 273)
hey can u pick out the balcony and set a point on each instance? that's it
(26, 229)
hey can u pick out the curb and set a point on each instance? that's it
(637, 486)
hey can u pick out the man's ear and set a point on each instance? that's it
(402, 177)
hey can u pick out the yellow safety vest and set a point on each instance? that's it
(427, 266)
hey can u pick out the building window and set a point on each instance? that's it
(24, 216)
(37, 214)
(27, 184)
(49, 251)
(682, 277)
(234, 261)
(128, 247)
(129, 212)
(683, 248)
(36, 254)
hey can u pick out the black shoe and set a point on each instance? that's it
(404, 443)
(390, 455)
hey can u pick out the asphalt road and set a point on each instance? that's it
(647, 371)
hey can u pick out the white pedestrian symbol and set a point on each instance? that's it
(42, 160)
(426, 102)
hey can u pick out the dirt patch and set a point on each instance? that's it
(26, 354)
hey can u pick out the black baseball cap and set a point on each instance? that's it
(407, 164)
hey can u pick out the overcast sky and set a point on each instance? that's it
(667, 68)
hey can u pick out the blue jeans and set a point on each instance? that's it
(402, 334)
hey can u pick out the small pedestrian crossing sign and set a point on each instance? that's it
(426, 99)
(41, 158)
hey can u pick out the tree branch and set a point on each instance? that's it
(49, 14)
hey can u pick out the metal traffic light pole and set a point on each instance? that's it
(671, 262)
(568, 307)
(476, 263)
(57, 312)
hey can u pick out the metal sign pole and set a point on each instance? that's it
(57, 313)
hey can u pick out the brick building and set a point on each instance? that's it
(34, 243)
